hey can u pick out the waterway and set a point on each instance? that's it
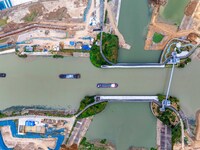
(173, 12)
(128, 126)
(34, 81)
(134, 18)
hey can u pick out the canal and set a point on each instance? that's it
(34, 81)
(125, 124)
(134, 18)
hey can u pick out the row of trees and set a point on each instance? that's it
(110, 46)
(93, 110)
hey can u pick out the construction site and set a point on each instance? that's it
(31, 132)
(189, 24)
(49, 27)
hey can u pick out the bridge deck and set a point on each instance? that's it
(127, 98)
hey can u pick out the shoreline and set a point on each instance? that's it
(7, 51)
(118, 12)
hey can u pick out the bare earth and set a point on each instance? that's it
(12, 142)
(171, 31)
(194, 144)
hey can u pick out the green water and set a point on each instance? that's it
(173, 12)
(133, 24)
(34, 81)
(125, 124)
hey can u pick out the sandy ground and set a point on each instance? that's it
(46, 10)
(11, 141)
(170, 31)
(194, 144)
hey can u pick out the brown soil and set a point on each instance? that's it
(189, 10)
(13, 26)
(192, 37)
(136, 148)
(158, 2)
(72, 147)
(38, 7)
(59, 14)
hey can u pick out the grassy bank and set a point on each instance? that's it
(97, 145)
(93, 110)
(110, 46)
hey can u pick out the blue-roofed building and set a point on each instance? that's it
(5, 4)
(30, 123)
(71, 43)
(28, 49)
(86, 47)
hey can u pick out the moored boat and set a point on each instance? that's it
(69, 76)
(2, 75)
(107, 85)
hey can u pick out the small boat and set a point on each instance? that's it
(69, 76)
(107, 85)
(2, 75)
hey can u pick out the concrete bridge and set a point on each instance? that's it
(100, 99)
(133, 65)
(126, 98)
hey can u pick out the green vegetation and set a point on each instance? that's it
(106, 17)
(72, 50)
(22, 55)
(85, 145)
(103, 141)
(2, 115)
(153, 148)
(171, 98)
(3, 40)
(93, 110)
(184, 62)
(176, 134)
(58, 56)
(169, 118)
(157, 37)
(110, 46)
(3, 22)
(30, 17)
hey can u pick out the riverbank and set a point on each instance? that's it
(118, 12)
(96, 144)
(7, 52)
(192, 143)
